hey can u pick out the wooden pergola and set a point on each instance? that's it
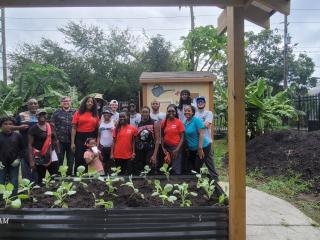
(230, 20)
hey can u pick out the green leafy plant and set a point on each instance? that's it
(165, 169)
(48, 181)
(163, 192)
(115, 171)
(63, 172)
(64, 190)
(110, 181)
(101, 202)
(131, 185)
(26, 187)
(80, 175)
(145, 172)
(9, 199)
(184, 193)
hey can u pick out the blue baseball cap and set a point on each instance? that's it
(201, 98)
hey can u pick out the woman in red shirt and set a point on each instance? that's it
(172, 138)
(123, 147)
(85, 125)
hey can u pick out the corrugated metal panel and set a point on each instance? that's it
(131, 223)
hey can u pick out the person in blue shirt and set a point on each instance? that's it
(198, 144)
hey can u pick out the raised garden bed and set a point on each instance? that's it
(132, 217)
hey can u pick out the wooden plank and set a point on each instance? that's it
(117, 3)
(282, 6)
(236, 123)
(144, 95)
(222, 22)
(258, 16)
(211, 108)
(175, 80)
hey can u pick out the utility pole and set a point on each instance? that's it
(4, 50)
(192, 67)
(285, 53)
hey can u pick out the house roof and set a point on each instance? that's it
(158, 77)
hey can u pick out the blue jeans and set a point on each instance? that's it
(65, 149)
(13, 174)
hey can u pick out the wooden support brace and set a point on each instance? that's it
(236, 123)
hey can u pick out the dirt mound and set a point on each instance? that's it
(281, 152)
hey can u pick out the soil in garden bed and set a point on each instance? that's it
(280, 152)
(125, 197)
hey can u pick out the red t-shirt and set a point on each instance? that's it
(172, 131)
(123, 144)
(85, 122)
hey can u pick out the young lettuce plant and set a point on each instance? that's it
(145, 172)
(183, 192)
(26, 187)
(80, 175)
(165, 169)
(101, 202)
(65, 189)
(109, 181)
(63, 172)
(115, 171)
(163, 192)
(48, 181)
(208, 186)
(131, 185)
(6, 191)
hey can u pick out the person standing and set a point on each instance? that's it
(135, 118)
(42, 140)
(185, 99)
(11, 151)
(114, 107)
(105, 138)
(123, 147)
(155, 113)
(24, 121)
(198, 144)
(62, 121)
(205, 116)
(147, 142)
(172, 139)
(85, 125)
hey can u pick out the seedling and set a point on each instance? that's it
(115, 171)
(183, 192)
(163, 193)
(109, 181)
(65, 189)
(131, 185)
(48, 181)
(145, 172)
(207, 186)
(27, 186)
(165, 169)
(63, 172)
(6, 191)
(101, 202)
(80, 175)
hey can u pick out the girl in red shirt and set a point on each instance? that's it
(85, 125)
(172, 138)
(123, 147)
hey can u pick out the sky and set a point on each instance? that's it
(31, 24)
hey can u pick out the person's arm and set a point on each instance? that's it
(200, 149)
(133, 147)
(98, 139)
(175, 152)
(32, 164)
(157, 143)
(73, 136)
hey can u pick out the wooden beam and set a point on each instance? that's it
(282, 6)
(117, 3)
(236, 123)
(222, 22)
(258, 16)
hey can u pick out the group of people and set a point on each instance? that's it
(98, 136)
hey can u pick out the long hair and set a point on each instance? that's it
(176, 115)
(83, 107)
(187, 102)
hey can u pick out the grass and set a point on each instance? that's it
(289, 187)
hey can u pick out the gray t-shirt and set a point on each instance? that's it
(205, 116)
(135, 119)
(158, 117)
(115, 117)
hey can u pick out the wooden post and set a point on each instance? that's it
(236, 123)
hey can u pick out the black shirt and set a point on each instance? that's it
(11, 147)
(39, 136)
(62, 121)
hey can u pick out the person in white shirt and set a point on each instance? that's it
(205, 116)
(135, 118)
(105, 138)
(114, 107)
(155, 113)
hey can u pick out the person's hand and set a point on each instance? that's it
(32, 166)
(111, 156)
(23, 126)
(207, 124)
(153, 160)
(48, 164)
(73, 147)
(200, 153)
(133, 156)
(175, 154)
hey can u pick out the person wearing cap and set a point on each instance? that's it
(62, 121)
(100, 103)
(114, 107)
(11, 151)
(205, 115)
(155, 114)
(42, 141)
(24, 121)
(105, 138)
